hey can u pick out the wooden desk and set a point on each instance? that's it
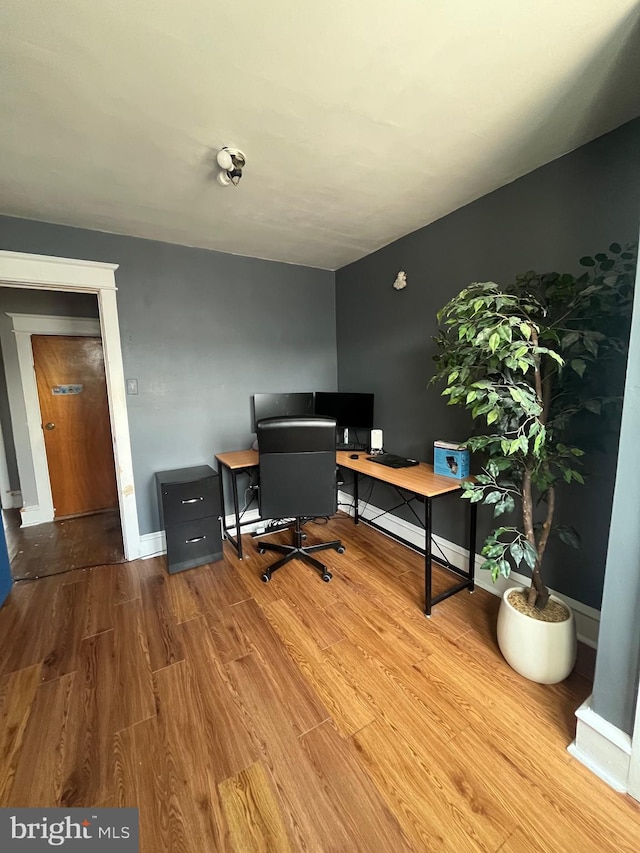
(418, 480)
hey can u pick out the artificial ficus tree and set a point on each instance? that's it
(526, 361)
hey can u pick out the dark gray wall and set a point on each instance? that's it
(49, 303)
(616, 679)
(546, 220)
(201, 331)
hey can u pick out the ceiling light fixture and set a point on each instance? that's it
(231, 162)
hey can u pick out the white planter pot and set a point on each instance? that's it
(541, 651)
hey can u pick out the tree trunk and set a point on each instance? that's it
(538, 594)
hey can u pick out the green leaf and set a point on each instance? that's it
(616, 248)
(494, 342)
(530, 555)
(569, 339)
(517, 552)
(493, 497)
(504, 568)
(525, 328)
(578, 365)
(493, 416)
(587, 262)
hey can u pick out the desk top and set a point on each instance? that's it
(236, 459)
(419, 479)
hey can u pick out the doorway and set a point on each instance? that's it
(41, 272)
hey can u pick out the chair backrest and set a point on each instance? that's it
(297, 466)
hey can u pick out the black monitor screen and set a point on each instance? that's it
(281, 405)
(349, 410)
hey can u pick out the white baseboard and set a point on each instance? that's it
(152, 545)
(587, 618)
(602, 748)
(12, 500)
(32, 515)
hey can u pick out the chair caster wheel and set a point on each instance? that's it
(265, 577)
(304, 536)
(262, 550)
(341, 549)
(326, 576)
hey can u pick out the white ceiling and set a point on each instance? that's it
(361, 120)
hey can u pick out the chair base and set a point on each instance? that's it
(299, 552)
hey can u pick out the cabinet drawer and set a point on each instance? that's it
(188, 501)
(193, 543)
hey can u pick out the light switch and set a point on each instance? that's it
(132, 386)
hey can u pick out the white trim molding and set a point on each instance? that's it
(42, 272)
(603, 748)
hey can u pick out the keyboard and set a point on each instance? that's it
(354, 445)
(393, 461)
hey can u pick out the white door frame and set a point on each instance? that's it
(25, 325)
(42, 272)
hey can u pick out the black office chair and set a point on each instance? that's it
(297, 480)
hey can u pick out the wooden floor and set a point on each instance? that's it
(57, 546)
(292, 716)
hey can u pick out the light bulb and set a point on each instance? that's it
(224, 158)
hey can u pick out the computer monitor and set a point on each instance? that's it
(349, 410)
(281, 405)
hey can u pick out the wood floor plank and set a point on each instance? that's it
(190, 739)
(69, 608)
(305, 707)
(309, 814)
(17, 693)
(349, 711)
(101, 585)
(390, 702)
(252, 810)
(215, 597)
(226, 732)
(40, 773)
(92, 718)
(133, 680)
(183, 598)
(127, 584)
(440, 807)
(141, 779)
(26, 646)
(15, 618)
(359, 805)
(162, 635)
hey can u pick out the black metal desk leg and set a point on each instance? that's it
(355, 496)
(221, 489)
(427, 557)
(236, 511)
(473, 516)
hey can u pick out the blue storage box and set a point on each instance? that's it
(449, 460)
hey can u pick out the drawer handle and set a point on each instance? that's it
(193, 500)
(195, 539)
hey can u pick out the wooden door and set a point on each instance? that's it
(72, 390)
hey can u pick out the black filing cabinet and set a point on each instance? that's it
(189, 501)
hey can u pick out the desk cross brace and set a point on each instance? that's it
(429, 558)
